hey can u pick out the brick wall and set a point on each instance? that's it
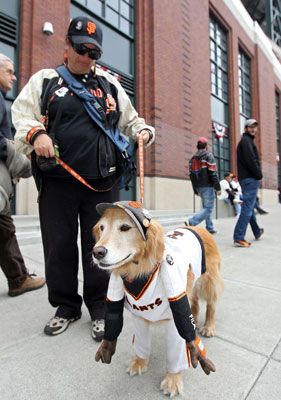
(43, 51)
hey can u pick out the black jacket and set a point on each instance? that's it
(203, 170)
(248, 162)
(5, 127)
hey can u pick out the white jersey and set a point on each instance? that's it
(149, 297)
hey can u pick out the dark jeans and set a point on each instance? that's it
(11, 260)
(62, 203)
(207, 195)
(249, 188)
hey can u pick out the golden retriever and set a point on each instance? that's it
(133, 247)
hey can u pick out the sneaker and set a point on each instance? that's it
(98, 329)
(186, 223)
(261, 233)
(213, 232)
(29, 284)
(241, 243)
(58, 325)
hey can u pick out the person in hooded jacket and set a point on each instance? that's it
(205, 182)
(12, 165)
(249, 175)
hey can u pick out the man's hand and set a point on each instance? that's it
(145, 135)
(198, 353)
(106, 351)
(43, 146)
(218, 192)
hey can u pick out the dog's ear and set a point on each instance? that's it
(96, 231)
(154, 241)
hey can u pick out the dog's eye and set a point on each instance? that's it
(101, 228)
(124, 228)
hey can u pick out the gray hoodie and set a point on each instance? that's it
(15, 166)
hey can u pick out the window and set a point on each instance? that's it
(119, 13)
(277, 108)
(219, 95)
(244, 77)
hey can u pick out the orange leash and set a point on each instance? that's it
(141, 163)
(79, 178)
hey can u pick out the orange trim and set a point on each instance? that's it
(200, 346)
(32, 131)
(108, 299)
(144, 289)
(178, 297)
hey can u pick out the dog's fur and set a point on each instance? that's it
(116, 232)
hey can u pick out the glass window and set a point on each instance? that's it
(119, 13)
(219, 94)
(96, 5)
(244, 76)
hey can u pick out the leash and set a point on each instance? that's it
(141, 164)
(79, 178)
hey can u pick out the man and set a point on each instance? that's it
(204, 178)
(11, 164)
(250, 175)
(228, 194)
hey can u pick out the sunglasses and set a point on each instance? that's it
(94, 54)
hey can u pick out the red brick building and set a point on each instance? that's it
(192, 68)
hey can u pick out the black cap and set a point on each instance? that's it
(135, 210)
(85, 30)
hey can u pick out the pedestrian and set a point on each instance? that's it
(205, 182)
(279, 194)
(250, 176)
(228, 194)
(85, 148)
(12, 165)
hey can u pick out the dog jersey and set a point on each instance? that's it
(162, 294)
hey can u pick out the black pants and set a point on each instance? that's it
(62, 203)
(11, 260)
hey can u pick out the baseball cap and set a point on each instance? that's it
(135, 210)
(251, 122)
(85, 30)
(202, 139)
(226, 174)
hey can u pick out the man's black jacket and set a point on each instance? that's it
(248, 162)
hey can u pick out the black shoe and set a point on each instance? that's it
(213, 232)
(261, 233)
(98, 329)
(58, 325)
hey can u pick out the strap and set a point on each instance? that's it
(141, 163)
(79, 177)
(93, 108)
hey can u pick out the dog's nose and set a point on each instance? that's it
(99, 252)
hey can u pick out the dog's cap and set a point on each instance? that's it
(135, 210)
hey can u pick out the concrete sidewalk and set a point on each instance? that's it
(246, 349)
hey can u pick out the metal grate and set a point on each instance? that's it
(128, 84)
(8, 29)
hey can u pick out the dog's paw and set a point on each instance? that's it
(208, 331)
(137, 366)
(172, 384)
